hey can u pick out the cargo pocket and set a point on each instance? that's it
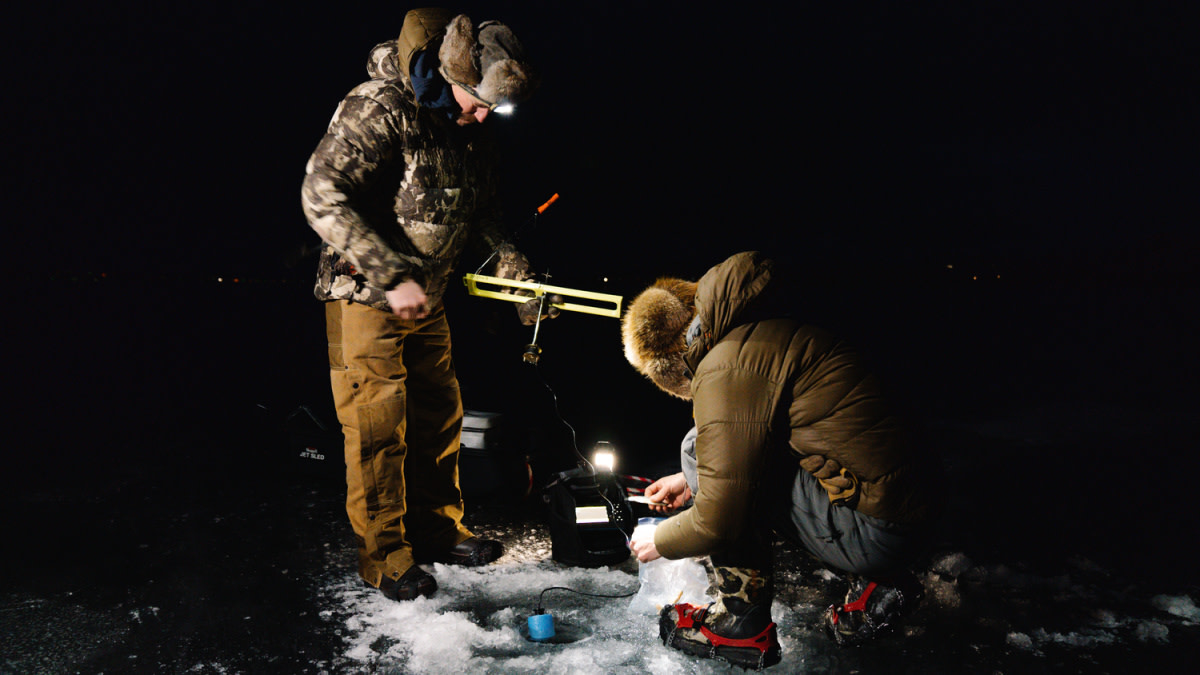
(346, 384)
(382, 466)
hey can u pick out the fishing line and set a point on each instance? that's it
(525, 228)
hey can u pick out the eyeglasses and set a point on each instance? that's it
(500, 108)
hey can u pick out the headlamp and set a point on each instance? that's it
(501, 107)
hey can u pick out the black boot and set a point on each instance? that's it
(873, 608)
(414, 583)
(471, 552)
(730, 629)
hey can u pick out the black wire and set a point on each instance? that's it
(572, 590)
(558, 413)
(575, 443)
(575, 446)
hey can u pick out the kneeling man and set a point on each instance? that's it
(793, 435)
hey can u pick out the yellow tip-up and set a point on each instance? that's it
(588, 302)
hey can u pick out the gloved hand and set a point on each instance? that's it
(836, 479)
(528, 310)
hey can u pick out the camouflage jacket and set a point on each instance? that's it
(398, 191)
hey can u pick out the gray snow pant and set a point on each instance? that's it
(838, 536)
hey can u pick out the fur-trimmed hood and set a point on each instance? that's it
(653, 331)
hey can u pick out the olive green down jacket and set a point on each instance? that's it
(778, 385)
(398, 191)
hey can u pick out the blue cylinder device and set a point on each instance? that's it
(541, 626)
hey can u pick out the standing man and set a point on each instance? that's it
(402, 182)
(793, 434)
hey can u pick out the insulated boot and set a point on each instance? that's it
(739, 633)
(872, 608)
(736, 628)
(471, 552)
(408, 586)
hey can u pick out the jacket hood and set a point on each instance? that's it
(384, 62)
(423, 30)
(727, 295)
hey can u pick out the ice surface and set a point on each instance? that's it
(1020, 641)
(1152, 631)
(475, 623)
(952, 565)
(1181, 606)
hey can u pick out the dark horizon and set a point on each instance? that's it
(1008, 135)
(987, 187)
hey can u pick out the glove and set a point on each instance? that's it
(528, 310)
(836, 479)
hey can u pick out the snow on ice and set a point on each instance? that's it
(476, 621)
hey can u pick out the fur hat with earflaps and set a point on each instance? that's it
(488, 61)
(653, 331)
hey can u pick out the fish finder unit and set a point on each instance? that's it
(590, 518)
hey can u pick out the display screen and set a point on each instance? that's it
(591, 514)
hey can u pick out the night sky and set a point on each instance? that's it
(891, 153)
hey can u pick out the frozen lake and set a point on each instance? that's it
(195, 572)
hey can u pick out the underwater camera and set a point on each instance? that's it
(590, 517)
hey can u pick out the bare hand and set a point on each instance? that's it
(644, 550)
(408, 300)
(668, 493)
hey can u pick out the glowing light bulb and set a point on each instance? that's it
(604, 460)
